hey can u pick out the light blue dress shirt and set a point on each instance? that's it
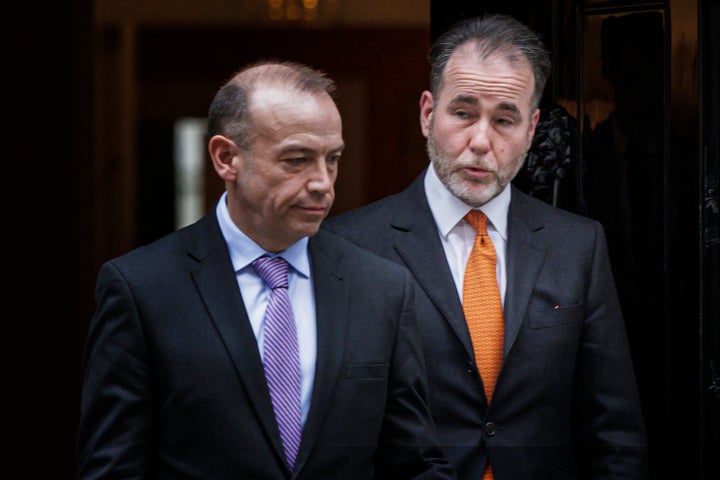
(255, 293)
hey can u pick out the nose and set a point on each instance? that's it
(322, 178)
(479, 138)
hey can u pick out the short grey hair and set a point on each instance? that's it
(229, 113)
(493, 33)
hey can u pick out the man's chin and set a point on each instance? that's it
(309, 230)
(475, 194)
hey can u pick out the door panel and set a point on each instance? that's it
(626, 87)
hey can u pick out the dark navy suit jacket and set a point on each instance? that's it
(174, 385)
(566, 403)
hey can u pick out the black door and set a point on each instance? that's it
(635, 93)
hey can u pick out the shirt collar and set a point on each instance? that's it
(448, 210)
(243, 250)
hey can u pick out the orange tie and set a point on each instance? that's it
(482, 307)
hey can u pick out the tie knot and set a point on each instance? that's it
(478, 221)
(273, 271)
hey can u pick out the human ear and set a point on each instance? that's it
(222, 152)
(427, 105)
(534, 118)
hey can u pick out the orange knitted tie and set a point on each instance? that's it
(482, 307)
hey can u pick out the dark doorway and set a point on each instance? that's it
(636, 86)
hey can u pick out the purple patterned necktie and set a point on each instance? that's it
(281, 356)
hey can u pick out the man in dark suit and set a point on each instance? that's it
(564, 403)
(204, 362)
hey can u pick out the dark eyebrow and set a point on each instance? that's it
(469, 99)
(297, 149)
(307, 151)
(511, 107)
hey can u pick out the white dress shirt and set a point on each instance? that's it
(255, 293)
(457, 236)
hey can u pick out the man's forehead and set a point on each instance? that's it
(470, 74)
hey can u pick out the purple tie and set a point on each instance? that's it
(281, 357)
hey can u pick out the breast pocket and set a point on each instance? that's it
(367, 370)
(555, 316)
(362, 390)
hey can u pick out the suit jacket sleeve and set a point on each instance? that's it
(408, 446)
(611, 431)
(116, 424)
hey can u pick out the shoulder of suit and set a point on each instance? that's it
(354, 218)
(534, 208)
(199, 236)
(339, 247)
(380, 212)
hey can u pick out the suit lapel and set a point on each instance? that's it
(331, 306)
(420, 248)
(216, 282)
(422, 252)
(525, 256)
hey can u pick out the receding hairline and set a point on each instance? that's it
(484, 51)
(290, 75)
(496, 33)
(229, 112)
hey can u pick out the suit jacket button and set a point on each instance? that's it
(489, 429)
(470, 367)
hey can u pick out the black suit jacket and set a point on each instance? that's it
(565, 404)
(174, 385)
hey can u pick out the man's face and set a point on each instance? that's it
(285, 184)
(480, 127)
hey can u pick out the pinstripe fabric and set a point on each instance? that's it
(281, 355)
